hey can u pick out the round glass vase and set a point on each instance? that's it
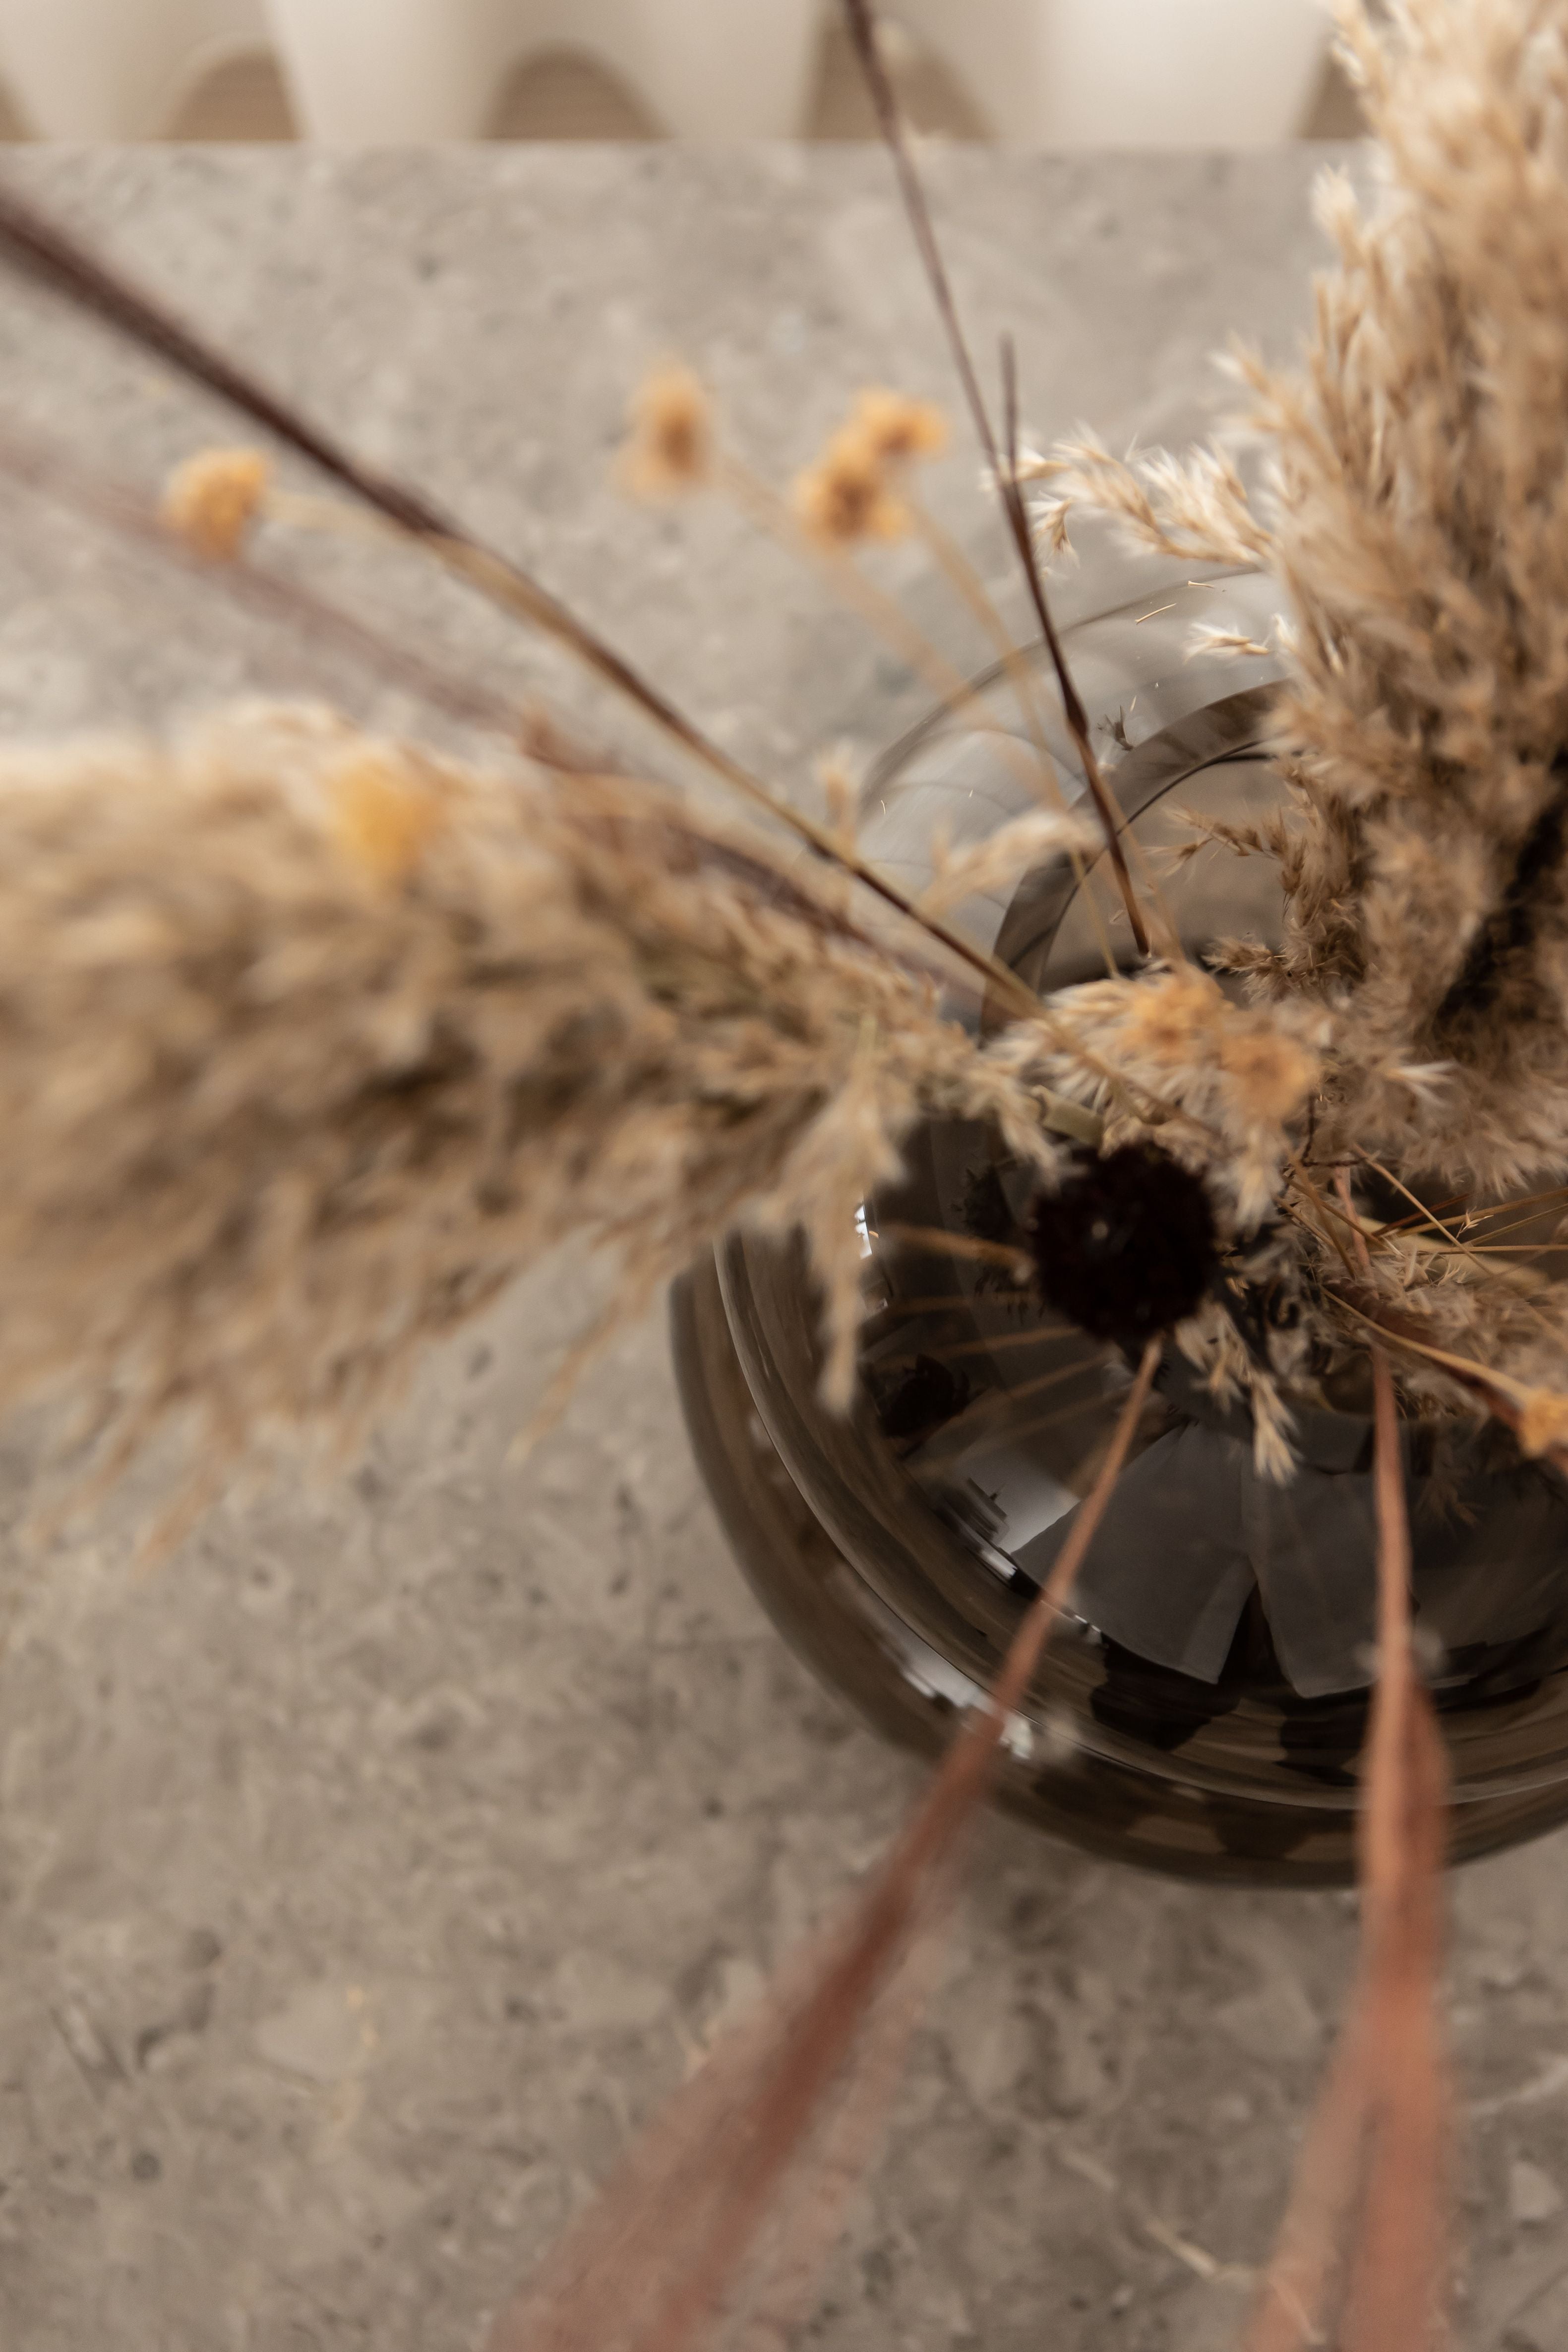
(1201, 1710)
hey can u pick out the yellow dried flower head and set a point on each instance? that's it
(1271, 1075)
(213, 497)
(383, 814)
(897, 429)
(671, 446)
(844, 496)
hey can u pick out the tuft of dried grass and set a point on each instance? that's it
(284, 1101)
(1413, 502)
(1415, 508)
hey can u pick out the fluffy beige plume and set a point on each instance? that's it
(997, 862)
(313, 1042)
(1421, 527)
(1243, 1076)
(1415, 510)
(1195, 509)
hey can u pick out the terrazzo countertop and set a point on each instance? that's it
(368, 1869)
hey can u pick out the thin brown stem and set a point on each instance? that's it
(1364, 2228)
(1475, 1253)
(763, 507)
(1025, 1655)
(1047, 1336)
(1037, 1427)
(496, 578)
(40, 246)
(861, 19)
(998, 1406)
(936, 1242)
(1517, 1213)
(962, 577)
(955, 1303)
(650, 2267)
(1332, 1216)
(1507, 1399)
(1557, 1194)
(39, 466)
(1308, 2252)
(1424, 1216)
(1503, 1249)
(1395, 2284)
(1439, 1208)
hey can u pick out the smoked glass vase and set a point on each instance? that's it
(1201, 1710)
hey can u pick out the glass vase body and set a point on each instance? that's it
(1201, 1710)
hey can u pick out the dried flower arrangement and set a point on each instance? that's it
(395, 1024)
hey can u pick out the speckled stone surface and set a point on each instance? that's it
(368, 1870)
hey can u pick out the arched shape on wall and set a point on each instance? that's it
(698, 69)
(115, 69)
(377, 71)
(1132, 73)
(566, 93)
(933, 90)
(242, 96)
(1064, 73)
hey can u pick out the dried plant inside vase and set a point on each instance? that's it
(394, 1024)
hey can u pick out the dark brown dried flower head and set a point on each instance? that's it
(1126, 1244)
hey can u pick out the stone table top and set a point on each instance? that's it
(368, 1869)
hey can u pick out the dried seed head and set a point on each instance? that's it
(1271, 1074)
(1127, 1245)
(844, 497)
(670, 448)
(1171, 1020)
(896, 429)
(384, 815)
(212, 500)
